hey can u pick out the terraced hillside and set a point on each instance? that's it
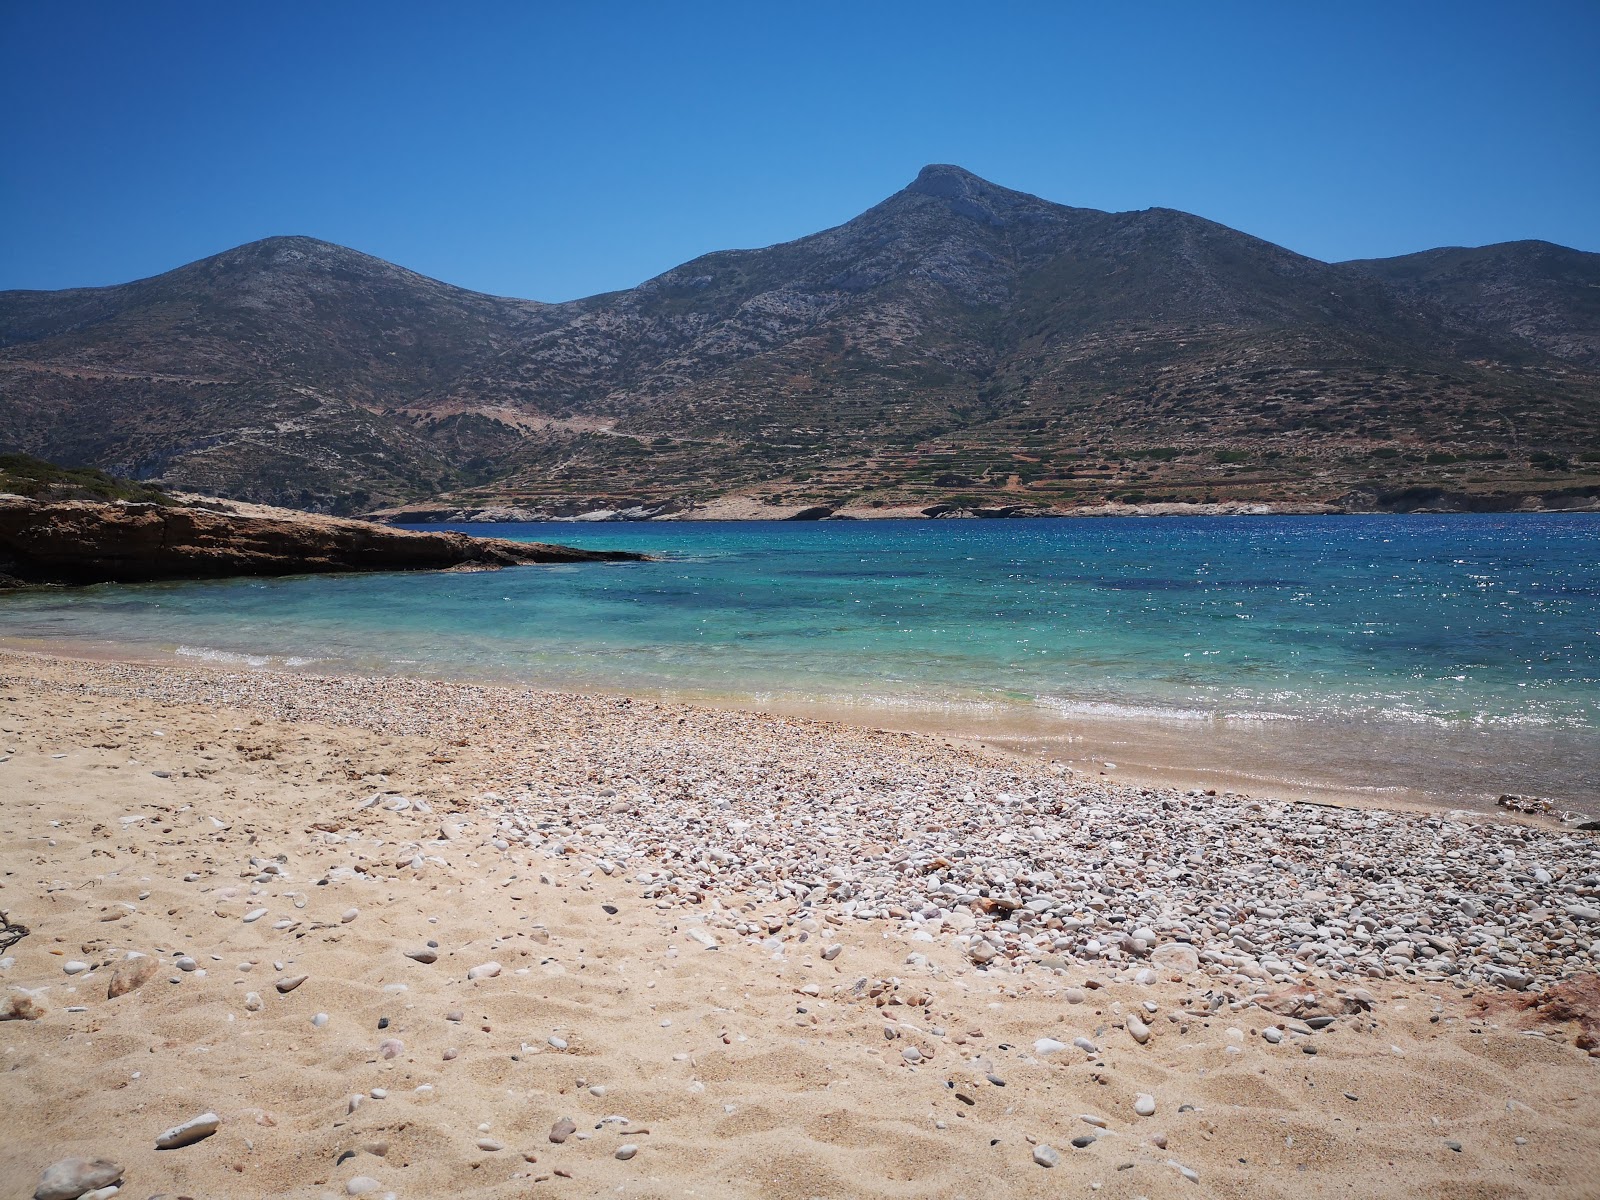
(958, 343)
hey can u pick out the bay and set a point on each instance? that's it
(1440, 659)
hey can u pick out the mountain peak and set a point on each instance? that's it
(969, 195)
(942, 179)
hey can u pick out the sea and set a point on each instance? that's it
(1442, 660)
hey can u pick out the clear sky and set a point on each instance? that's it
(552, 150)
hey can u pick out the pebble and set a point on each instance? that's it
(184, 963)
(1084, 1044)
(320, 1020)
(1272, 1035)
(391, 1047)
(289, 983)
(424, 955)
(254, 915)
(131, 974)
(832, 952)
(252, 1002)
(1144, 1104)
(191, 1131)
(72, 1177)
(349, 914)
(1139, 1030)
(557, 1043)
(911, 1054)
(1048, 1046)
(361, 1185)
(562, 1130)
(626, 1151)
(74, 966)
(490, 1145)
(1046, 1156)
(23, 1005)
(486, 970)
(1083, 1141)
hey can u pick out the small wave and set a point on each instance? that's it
(1105, 708)
(238, 659)
(224, 656)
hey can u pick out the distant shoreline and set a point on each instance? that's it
(746, 509)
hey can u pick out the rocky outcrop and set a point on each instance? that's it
(76, 542)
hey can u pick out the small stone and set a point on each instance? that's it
(486, 970)
(184, 963)
(562, 1130)
(626, 1151)
(254, 915)
(131, 974)
(289, 983)
(391, 1047)
(252, 1002)
(320, 1020)
(1046, 1046)
(1083, 1141)
(23, 1005)
(361, 1185)
(1144, 1104)
(74, 966)
(424, 955)
(1175, 956)
(72, 1177)
(350, 914)
(1046, 1156)
(703, 937)
(490, 1145)
(1272, 1035)
(191, 1131)
(557, 1043)
(911, 1054)
(1138, 1029)
(1456, 1146)
(832, 952)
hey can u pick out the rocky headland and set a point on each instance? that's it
(84, 542)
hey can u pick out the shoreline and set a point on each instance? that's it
(398, 930)
(1216, 754)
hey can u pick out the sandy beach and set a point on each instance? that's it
(395, 936)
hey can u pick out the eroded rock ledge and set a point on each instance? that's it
(79, 542)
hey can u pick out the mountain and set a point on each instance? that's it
(1544, 294)
(958, 343)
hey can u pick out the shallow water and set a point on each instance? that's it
(1446, 658)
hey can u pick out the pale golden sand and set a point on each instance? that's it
(756, 1069)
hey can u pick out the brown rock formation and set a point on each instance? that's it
(76, 542)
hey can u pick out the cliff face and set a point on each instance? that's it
(77, 542)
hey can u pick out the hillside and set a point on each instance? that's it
(958, 343)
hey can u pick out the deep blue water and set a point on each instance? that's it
(1464, 648)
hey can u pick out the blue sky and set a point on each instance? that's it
(555, 150)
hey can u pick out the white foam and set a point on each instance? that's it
(224, 656)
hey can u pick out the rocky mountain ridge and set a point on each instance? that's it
(958, 344)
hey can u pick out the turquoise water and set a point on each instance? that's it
(1447, 656)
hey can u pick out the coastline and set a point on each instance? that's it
(714, 937)
(1281, 759)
